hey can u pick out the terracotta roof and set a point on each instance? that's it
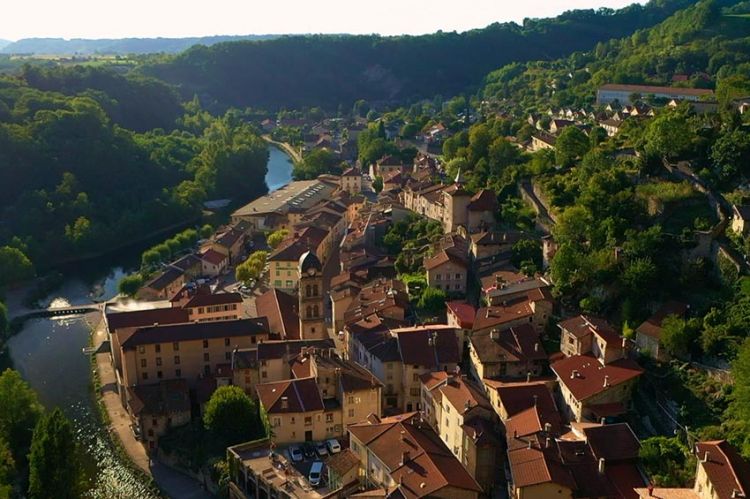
(194, 331)
(428, 347)
(281, 310)
(726, 469)
(149, 317)
(187, 262)
(163, 280)
(465, 312)
(417, 459)
(302, 395)
(298, 244)
(532, 462)
(483, 200)
(463, 394)
(378, 342)
(342, 462)
(268, 350)
(351, 172)
(515, 344)
(651, 89)
(160, 399)
(613, 442)
(522, 396)
(203, 300)
(652, 326)
(443, 257)
(213, 257)
(229, 238)
(456, 190)
(584, 325)
(584, 376)
(352, 376)
(516, 308)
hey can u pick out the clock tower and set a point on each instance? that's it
(311, 319)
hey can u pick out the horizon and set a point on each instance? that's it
(187, 19)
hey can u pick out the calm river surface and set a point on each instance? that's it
(47, 352)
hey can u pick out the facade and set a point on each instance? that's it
(351, 181)
(447, 271)
(311, 307)
(741, 219)
(514, 352)
(157, 407)
(213, 262)
(648, 334)
(283, 263)
(214, 307)
(164, 286)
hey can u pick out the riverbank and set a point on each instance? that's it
(286, 147)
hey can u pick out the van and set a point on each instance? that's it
(316, 472)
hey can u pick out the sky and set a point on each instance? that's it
(182, 18)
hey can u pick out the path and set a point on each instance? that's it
(175, 484)
(543, 219)
(291, 151)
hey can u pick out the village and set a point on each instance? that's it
(367, 387)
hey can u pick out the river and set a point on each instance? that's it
(47, 352)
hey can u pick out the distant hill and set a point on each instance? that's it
(327, 71)
(122, 46)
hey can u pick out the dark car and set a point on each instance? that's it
(309, 450)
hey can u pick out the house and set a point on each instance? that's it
(448, 271)
(611, 126)
(164, 286)
(214, 263)
(280, 308)
(486, 244)
(505, 285)
(481, 211)
(214, 307)
(191, 265)
(513, 352)
(189, 350)
(590, 390)
(460, 315)
(283, 262)
(351, 181)
(741, 219)
(157, 407)
(532, 307)
(274, 358)
(621, 93)
(541, 141)
(557, 125)
(461, 414)
(296, 412)
(385, 166)
(721, 474)
(229, 242)
(404, 456)
(585, 334)
(648, 334)
(509, 399)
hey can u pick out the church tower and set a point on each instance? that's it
(311, 319)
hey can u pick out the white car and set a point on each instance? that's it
(295, 454)
(334, 447)
(321, 450)
(316, 472)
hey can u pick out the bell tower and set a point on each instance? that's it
(311, 319)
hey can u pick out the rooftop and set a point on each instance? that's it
(196, 331)
(290, 396)
(204, 300)
(515, 344)
(298, 194)
(281, 309)
(585, 377)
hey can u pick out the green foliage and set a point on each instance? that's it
(668, 462)
(21, 410)
(739, 408)
(130, 284)
(316, 162)
(669, 135)
(7, 469)
(275, 238)
(377, 184)
(527, 253)
(206, 231)
(432, 301)
(14, 266)
(231, 415)
(163, 252)
(571, 144)
(252, 268)
(410, 239)
(676, 337)
(54, 464)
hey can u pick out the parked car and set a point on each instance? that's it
(334, 447)
(295, 454)
(316, 473)
(321, 449)
(309, 450)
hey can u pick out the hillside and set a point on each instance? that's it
(327, 71)
(699, 47)
(123, 46)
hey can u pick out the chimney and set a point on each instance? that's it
(467, 406)
(547, 427)
(528, 376)
(536, 399)
(606, 381)
(528, 445)
(515, 433)
(547, 442)
(574, 374)
(284, 403)
(536, 346)
(404, 457)
(601, 465)
(705, 457)
(495, 334)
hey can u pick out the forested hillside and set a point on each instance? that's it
(327, 71)
(86, 167)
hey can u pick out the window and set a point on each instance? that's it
(438, 277)
(329, 418)
(143, 362)
(226, 342)
(158, 361)
(315, 290)
(200, 310)
(228, 355)
(289, 284)
(351, 413)
(277, 283)
(158, 374)
(178, 373)
(144, 375)
(175, 346)
(142, 349)
(414, 392)
(157, 347)
(264, 374)
(308, 420)
(176, 359)
(309, 311)
(291, 420)
(458, 286)
(415, 377)
(205, 343)
(277, 422)
(205, 357)
(458, 276)
(308, 291)
(316, 311)
(207, 370)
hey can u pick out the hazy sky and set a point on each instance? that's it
(179, 18)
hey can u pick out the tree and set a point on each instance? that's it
(252, 268)
(7, 469)
(150, 258)
(15, 266)
(3, 319)
(275, 238)
(231, 415)
(667, 461)
(570, 145)
(527, 251)
(206, 231)
(675, 337)
(54, 466)
(130, 284)
(20, 412)
(669, 135)
(377, 183)
(432, 300)
(316, 162)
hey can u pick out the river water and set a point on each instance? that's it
(48, 353)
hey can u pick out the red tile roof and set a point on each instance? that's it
(281, 310)
(726, 469)
(515, 344)
(584, 325)
(302, 395)
(442, 257)
(464, 312)
(203, 300)
(584, 376)
(213, 257)
(149, 317)
(196, 331)
(652, 326)
(428, 347)
(483, 200)
(613, 442)
(513, 309)
(519, 397)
